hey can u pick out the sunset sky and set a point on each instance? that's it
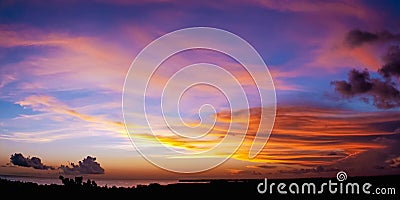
(335, 67)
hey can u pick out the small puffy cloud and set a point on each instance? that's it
(34, 162)
(87, 166)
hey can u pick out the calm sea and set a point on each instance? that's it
(100, 182)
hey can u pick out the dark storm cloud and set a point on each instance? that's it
(87, 166)
(391, 68)
(357, 37)
(34, 162)
(383, 93)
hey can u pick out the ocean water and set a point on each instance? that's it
(100, 182)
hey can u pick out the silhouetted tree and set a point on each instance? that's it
(78, 180)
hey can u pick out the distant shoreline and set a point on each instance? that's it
(199, 187)
(100, 181)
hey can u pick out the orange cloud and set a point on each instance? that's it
(302, 136)
(315, 136)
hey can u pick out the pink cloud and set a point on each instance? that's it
(337, 56)
(77, 62)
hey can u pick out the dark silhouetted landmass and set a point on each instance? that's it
(204, 188)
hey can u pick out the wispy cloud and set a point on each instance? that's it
(307, 136)
(60, 121)
(50, 104)
(72, 59)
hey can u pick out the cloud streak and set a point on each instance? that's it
(356, 38)
(348, 8)
(60, 121)
(50, 104)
